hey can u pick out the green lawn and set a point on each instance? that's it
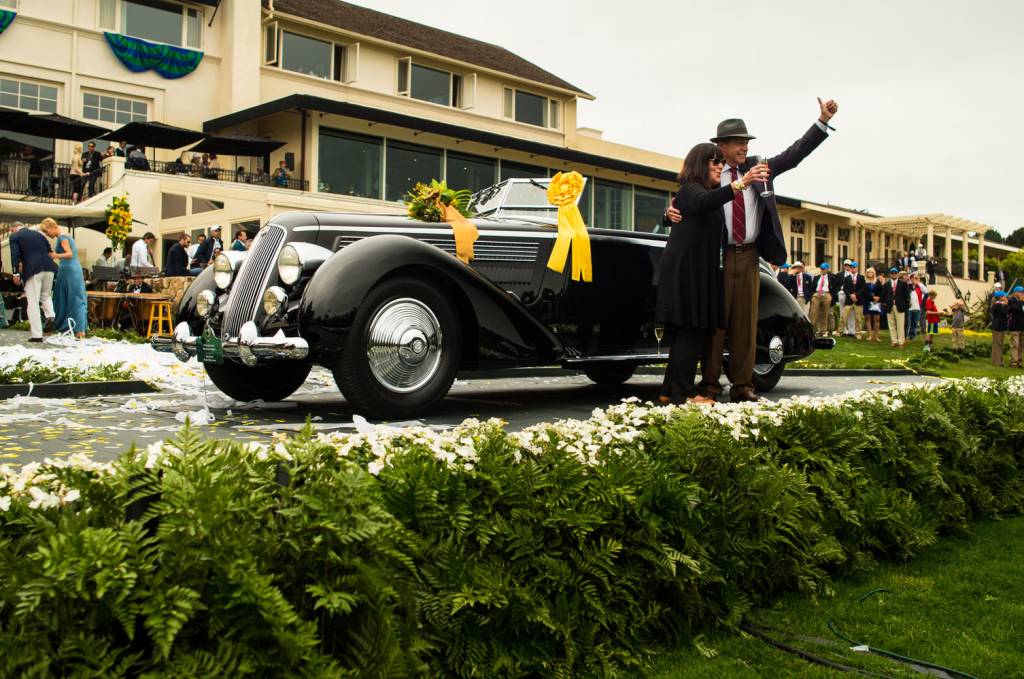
(852, 353)
(960, 604)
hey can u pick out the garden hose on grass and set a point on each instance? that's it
(919, 665)
(758, 632)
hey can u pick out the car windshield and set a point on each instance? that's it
(515, 198)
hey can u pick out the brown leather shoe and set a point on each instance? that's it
(708, 391)
(743, 395)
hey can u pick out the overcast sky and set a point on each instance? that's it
(930, 92)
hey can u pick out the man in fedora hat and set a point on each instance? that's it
(752, 229)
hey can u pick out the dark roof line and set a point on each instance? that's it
(368, 22)
(311, 103)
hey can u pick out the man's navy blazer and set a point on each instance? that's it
(31, 249)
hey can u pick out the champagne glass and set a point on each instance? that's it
(767, 192)
(659, 332)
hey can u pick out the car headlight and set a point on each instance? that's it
(204, 303)
(289, 265)
(223, 271)
(274, 299)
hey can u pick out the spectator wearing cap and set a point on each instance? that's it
(1015, 324)
(821, 299)
(998, 312)
(853, 286)
(204, 254)
(957, 319)
(782, 275)
(801, 286)
(896, 297)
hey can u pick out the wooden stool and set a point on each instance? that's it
(159, 313)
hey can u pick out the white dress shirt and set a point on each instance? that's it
(140, 254)
(752, 203)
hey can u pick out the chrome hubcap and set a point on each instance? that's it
(403, 345)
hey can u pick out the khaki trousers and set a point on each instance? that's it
(897, 326)
(804, 305)
(997, 347)
(821, 311)
(742, 285)
(1016, 340)
(958, 338)
(858, 314)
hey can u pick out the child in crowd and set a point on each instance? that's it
(931, 318)
(998, 313)
(957, 318)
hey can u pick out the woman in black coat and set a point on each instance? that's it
(690, 299)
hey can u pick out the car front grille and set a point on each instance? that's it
(247, 290)
(484, 249)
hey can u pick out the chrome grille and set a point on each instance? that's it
(484, 249)
(247, 290)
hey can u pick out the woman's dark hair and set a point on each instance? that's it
(695, 167)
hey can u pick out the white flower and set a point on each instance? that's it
(41, 499)
(5, 503)
(375, 467)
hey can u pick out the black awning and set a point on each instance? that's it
(10, 116)
(311, 103)
(237, 145)
(154, 134)
(55, 126)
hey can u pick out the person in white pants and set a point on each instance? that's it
(34, 268)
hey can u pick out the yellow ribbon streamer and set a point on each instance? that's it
(563, 191)
(465, 231)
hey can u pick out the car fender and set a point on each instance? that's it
(497, 329)
(778, 315)
(187, 306)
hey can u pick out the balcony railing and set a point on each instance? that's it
(222, 175)
(47, 183)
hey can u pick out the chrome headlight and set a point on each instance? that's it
(204, 303)
(223, 271)
(289, 265)
(274, 299)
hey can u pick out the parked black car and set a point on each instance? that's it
(382, 302)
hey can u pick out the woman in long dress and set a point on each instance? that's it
(691, 300)
(70, 304)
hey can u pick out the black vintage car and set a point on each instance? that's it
(382, 302)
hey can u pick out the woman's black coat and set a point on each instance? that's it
(689, 279)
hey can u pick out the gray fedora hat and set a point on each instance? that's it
(732, 128)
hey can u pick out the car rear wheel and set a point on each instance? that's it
(609, 374)
(766, 376)
(271, 382)
(402, 353)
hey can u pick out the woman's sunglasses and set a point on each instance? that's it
(718, 161)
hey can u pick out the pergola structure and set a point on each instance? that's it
(918, 226)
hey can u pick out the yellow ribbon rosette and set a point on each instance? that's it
(564, 189)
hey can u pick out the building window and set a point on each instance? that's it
(28, 96)
(172, 206)
(796, 249)
(408, 164)
(613, 205)
(306, 55)
(429, 84)
(510, 170)
(474, 173)
(350, 163)
(586, 202)
(797, 226)
(154, 20)
(532, 109)
(114, 109)
(648, 209)
(844, 234)
(821, 230)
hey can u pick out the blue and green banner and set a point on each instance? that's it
(6, 17)
(141, 55)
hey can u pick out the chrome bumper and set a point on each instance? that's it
(248, 347)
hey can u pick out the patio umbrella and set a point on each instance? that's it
(237, 145)
(9, 116)
(56, 126)
(154, 135)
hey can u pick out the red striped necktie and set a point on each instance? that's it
(739, 212)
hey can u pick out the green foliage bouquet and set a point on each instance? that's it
(426, 202)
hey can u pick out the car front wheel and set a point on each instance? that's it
(271, 382)
(402, 353)
(766, 376)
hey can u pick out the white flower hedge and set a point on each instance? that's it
(569, 548)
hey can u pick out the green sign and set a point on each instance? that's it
(209, 348)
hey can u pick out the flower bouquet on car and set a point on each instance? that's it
(435, 202)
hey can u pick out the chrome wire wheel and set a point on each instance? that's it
(403, 345)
